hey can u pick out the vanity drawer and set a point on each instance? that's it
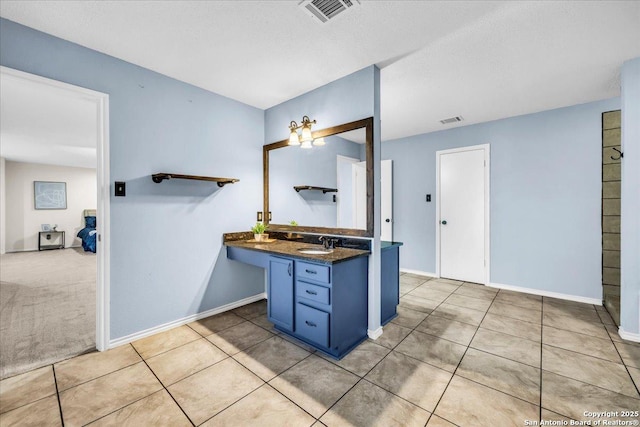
(313, 292)
(319, 273)
(312, 324)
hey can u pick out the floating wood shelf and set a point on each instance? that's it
(311, 187)
(159, 177)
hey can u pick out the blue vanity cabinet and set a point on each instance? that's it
(280, 291)
(390, 281)
(324, 304)
(331, 304)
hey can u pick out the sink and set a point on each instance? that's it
(313, 251)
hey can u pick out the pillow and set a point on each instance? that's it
(90, 221)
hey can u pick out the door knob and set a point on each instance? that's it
(443, 222)
(387, 220)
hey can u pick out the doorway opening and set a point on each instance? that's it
(55, 172)
(462, 213)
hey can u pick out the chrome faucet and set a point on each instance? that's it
(329, 242)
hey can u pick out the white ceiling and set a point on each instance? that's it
(482, 60)
(44, 124)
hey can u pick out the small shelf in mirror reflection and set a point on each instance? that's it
(324, 190)
(159, 177)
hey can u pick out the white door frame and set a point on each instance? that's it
(101, 101)
(350, 160)
(487, 204)
(357, 207)
(386, 189)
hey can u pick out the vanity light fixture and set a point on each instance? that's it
(318, 142)
(305, 137)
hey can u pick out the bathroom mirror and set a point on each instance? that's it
(324, 189)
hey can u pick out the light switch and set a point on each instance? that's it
(121, 188)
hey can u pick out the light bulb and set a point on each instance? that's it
(306, 144)
(306, 134)
(293, 138)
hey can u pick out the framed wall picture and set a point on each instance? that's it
(50, 195)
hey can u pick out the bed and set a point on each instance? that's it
(88, 233)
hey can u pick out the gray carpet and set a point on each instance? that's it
(47, 308)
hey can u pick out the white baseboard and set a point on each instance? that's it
(374, 335)
(576, 298)
(418, 272)
(170, 325)
(630, 336)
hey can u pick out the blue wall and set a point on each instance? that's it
(345, 100)
(630, 213)
(545, 197)
(167, 260)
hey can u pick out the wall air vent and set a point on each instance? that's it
(324, 10)
(455, 119)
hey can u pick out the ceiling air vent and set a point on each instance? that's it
(324, 10)
(455, 119)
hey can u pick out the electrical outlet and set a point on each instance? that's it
(259, 216)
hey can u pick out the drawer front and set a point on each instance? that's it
(312, 324)
(313, 292)
(319, 273)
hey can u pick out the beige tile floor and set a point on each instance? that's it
(457, 354)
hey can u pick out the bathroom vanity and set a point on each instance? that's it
(320, 298)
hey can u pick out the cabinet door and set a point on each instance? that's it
(390, 284)
(280, 302)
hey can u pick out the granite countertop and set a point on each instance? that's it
(386, 244)
(290, 248)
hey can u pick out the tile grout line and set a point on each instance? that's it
(229, 356)
(125, 406)
(588, 355)
(284, 395)
(137, 400)
(265, 382)
(592, 385)
(362, 378)
(101, 376)
(461, 358)
(163, 387)
(582, 382)
(55, 381)
(626, 367)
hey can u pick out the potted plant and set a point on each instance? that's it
(291, 235)
(259, 232)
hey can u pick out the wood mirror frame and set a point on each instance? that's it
(346, 127)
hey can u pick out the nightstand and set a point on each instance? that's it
(50, 240)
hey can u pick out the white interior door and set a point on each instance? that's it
(463, 213)
(386, 200)
(359, 180)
